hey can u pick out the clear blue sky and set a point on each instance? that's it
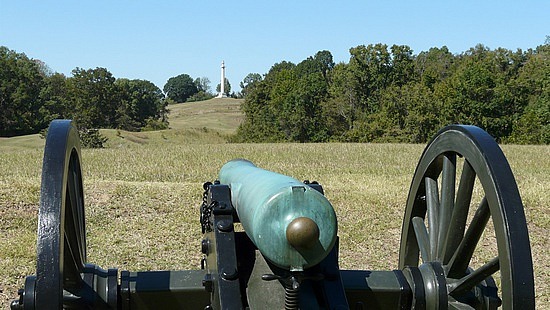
(156, 40)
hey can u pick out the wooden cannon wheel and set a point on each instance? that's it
(446, 217)
(61, 245)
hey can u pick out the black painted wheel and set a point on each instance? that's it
(61, 245)
(463, 196)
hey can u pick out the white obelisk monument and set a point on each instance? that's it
(222, 82)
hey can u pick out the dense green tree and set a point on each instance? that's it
(54, 95)
(466, 93)
(321, 63)
(204, 91)
(307, 115)
(140, 101)
(481, 91)
(341, 107)
(434, 65)
(282, 84)
(180, 87)
(423, 119)
(289, 98)
(533, 124)
(280, 66)
(44, 69)
(248, 82)
(371, 72)
(325, 63)
(408, 113)
(261, 118)
(20, 84)
(94, 98)
(203, 84)
(402, 65)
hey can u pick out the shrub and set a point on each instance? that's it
(200, 96)
(92, 138)
(154, 124)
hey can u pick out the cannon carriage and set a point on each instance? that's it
(286, 256)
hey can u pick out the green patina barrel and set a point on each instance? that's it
(293, 225)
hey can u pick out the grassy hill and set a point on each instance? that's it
(209, 121)
(27, 142)
(222, 115)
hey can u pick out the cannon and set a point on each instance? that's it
(271, 241)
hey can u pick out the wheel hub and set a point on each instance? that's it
(429, 285)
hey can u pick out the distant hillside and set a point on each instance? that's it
(210, 121)
(27, 142)
(219, 114)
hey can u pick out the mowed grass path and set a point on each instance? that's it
(143, 195)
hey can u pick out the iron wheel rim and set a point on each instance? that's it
(482, 160)
(61, 244)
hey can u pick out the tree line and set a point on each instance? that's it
(382, 94)
(31, 96)
(389, 94)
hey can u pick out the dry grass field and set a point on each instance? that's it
(144, 190)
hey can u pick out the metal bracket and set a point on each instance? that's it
(222, 275)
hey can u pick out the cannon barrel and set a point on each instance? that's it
(292, 225)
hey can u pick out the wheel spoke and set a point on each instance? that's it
(460, 211)
(453, 304)
(432, 202)
(71, 274)
(469, 281)
(79, 207)
(73, 242)
(448, 176)
(75, 204)
(422, 238)
(463, 254)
